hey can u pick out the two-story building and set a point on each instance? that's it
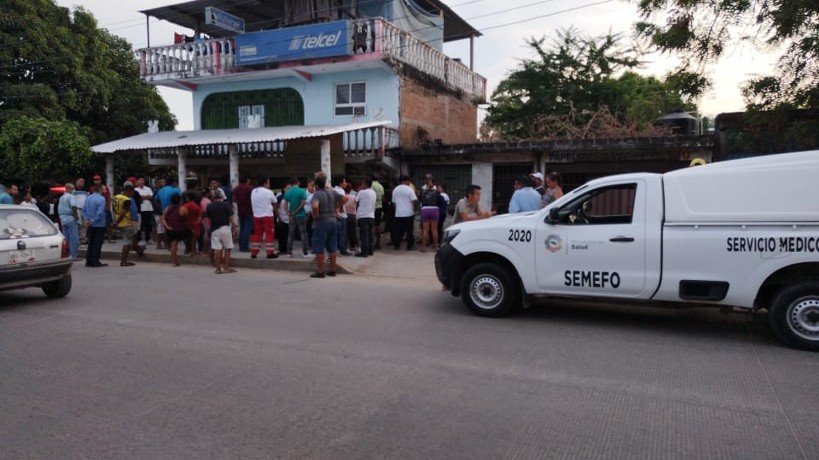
(286, 87)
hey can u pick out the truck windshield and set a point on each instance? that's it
(24, 223)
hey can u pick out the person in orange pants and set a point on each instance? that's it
(263, 202)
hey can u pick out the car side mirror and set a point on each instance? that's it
(554, 216)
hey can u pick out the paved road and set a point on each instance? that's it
(156, 362)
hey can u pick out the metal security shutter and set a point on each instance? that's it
(455, 177)
(282, 107)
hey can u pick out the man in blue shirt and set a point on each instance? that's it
(7, 195)
(525, 198)
(94, 212)
(164, 195)
(70, 219)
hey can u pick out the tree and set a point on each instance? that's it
(39, 149)
(59, 66)
(572, 82)
(702, 31)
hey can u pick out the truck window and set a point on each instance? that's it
(606, 205)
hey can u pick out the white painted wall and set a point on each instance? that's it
(482, 173)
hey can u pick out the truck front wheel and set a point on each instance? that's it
(794, 315)
(488, 290)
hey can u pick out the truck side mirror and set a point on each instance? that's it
(554, 216)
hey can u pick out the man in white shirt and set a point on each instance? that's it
(365, 199)
(146, 211)
(262, 201)
(404, 199)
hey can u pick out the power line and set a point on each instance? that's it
(546, 15)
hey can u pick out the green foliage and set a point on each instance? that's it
(574, 77)
(57, 65)
(701, 31)
(39, 149)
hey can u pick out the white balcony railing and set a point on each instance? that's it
(196, 59)
(209, 58)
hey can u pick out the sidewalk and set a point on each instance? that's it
(386, 262)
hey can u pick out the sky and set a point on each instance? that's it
(497, 52)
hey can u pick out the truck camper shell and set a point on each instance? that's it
(767, 189)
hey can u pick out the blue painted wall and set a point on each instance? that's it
(383, 95)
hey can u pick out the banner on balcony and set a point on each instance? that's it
(327, 39)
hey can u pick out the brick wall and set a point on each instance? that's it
(429, 114)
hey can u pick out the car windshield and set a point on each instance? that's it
(24, 223)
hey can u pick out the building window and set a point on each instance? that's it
(351, 99)
(248, 111)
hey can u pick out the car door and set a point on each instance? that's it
(596, 246)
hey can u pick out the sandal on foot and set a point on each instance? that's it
(126, 264)
(218, 272)
(317, 275)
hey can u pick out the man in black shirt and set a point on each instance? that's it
(223, 230)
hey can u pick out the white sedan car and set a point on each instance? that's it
(33, 252)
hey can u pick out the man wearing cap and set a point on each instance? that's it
(537, 178)
(146, 211)
(525, 198)
(125, 219)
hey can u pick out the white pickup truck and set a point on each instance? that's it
(741, 233)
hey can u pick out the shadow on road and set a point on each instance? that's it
(25, 298)
(684, 323)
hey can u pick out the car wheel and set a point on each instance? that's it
(59, 288)
(488, 290)
(794, 315)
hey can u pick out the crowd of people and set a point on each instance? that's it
(535, 192)
(343, 218)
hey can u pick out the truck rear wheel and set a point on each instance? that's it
(488, 290)
(59, 288)
(794, 315)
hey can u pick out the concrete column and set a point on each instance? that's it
(233, 158)
(182, 169)
(325, 160)
(109, 172)
(482, 176)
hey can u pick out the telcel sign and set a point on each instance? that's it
(222, 20)
(294, 43)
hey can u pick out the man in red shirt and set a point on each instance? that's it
(241, 196)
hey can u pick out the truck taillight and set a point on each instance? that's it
(65, 252)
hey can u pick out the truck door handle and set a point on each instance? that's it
(622, 239)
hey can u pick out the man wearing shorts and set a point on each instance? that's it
(326, 202)
(263, 201)
(126, 216)
(223, 230)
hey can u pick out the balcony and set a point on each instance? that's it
(187, 64)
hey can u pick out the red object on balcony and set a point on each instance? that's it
(178, 38)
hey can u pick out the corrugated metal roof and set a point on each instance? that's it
(169, 139)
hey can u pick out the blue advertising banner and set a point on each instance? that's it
(293, 43)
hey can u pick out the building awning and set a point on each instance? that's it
(219, 137)
(269, 14)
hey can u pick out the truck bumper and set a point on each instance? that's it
(448, 262)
